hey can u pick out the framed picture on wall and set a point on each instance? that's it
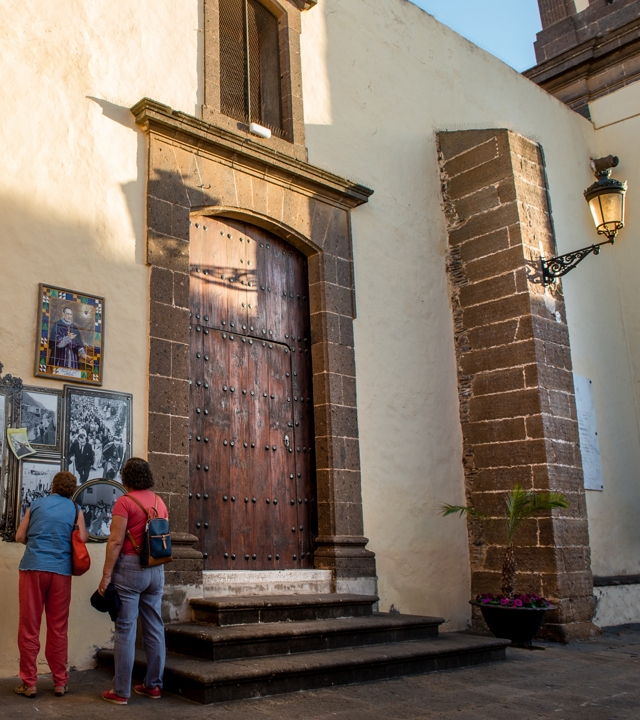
(96, 499)
(4, 424)
(36, 477)
(70, 344)
(10, 390)
(97, 434)
(41, 415)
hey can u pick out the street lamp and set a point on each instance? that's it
(606, 201)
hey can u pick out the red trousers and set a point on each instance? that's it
(51, 592)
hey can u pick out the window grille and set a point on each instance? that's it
(250, 64)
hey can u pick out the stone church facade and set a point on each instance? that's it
(307, 410)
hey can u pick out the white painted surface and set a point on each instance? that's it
(604, 321)
(617, 605)
(396, 77)
(588, 429)
(358, 586)
(264, 582)
(380, 79)
(72, 204)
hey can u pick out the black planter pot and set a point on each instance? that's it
(520, 625)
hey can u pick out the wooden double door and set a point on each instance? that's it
(252, 471)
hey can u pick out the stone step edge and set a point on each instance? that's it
(247, 602)
(211, 673)
(236, 634)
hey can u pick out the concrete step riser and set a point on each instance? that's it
(310, 681)
(245, 616)
(254, 647)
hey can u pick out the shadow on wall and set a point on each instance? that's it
(134, 191)
(41, 244)
(37, 246)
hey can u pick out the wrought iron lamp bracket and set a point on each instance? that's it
(558, 266)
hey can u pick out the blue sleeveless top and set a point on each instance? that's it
(49, 535)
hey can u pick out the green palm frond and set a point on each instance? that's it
(462, 510)
(522, 504)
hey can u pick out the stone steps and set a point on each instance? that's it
(280, 608)
(205, 681)
(244, 647)
(239, 641)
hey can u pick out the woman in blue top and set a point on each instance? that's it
(45, 582)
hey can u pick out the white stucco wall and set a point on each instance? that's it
(72, 185)
(603, 306)
(380, 79)
(385, 78)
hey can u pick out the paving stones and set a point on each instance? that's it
(591, 680)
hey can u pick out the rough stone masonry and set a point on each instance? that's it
(515, 382)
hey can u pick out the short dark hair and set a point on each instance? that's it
(65, 308)
(136, 474)
(64, 484)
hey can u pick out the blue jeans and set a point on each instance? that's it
(140, 590)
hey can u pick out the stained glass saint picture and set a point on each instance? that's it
(70, 342)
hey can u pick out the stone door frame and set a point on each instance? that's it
(197, 168)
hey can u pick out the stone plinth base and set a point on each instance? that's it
(223, 583)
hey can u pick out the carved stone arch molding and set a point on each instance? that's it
(194, 167)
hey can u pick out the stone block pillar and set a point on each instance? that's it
(552, 11)
(517, 403)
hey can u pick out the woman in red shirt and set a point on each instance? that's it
(140, 588)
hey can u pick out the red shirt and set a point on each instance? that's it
(136, 519)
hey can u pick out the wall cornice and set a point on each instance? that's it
(591, 69)
(159, 119)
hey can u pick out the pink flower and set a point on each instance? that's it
(504, 601)
(517, 603)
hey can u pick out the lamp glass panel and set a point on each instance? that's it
(596, 211)
(612, 207)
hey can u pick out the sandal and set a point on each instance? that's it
(26, 690)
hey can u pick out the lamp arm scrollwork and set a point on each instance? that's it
(558, 266)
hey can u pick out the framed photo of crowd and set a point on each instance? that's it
(70, 336)
(35, 481)
(96, 499)
(97, 437)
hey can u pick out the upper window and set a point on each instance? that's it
(250, 64)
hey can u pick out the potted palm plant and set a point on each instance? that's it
(516, 617)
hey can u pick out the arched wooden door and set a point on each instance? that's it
(252, 470)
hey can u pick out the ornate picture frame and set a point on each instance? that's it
(70, 338)
(96, 499)
(97, 433)
(10, 390)
(41, 412)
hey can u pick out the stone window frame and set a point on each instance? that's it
(287, 13)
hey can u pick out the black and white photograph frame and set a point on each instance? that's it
(97, 433)
(10, 389)
(41, 412)
(36, 478)
(96, 499)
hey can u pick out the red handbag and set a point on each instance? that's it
(79, 553)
